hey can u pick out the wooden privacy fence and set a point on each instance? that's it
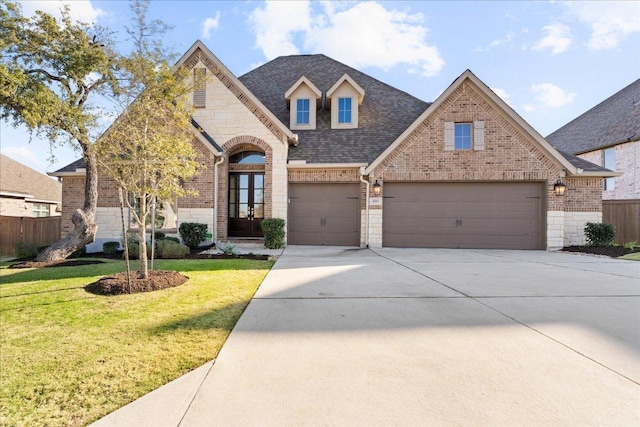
(41, 231)
(625, 217)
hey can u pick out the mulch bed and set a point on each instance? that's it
(116, 284)
(610, 251)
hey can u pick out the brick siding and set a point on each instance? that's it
(627, 186)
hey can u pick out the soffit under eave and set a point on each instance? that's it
(200, 53)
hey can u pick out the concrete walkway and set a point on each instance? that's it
(400, 337)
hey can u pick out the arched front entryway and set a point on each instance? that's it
(246, 207)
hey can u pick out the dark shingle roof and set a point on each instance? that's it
(71, 167)
(583, 164)
(613, 121)
(18, 178)
(384, 114)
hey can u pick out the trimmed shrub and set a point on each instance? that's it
(171, 250)
(110, 248)
(193, 233)
(169, 239)
(159, 235)
(599, 233)
(134, 250)
(79, 253)
(273, 230)
(26, 250)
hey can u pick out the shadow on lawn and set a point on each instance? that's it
(224, 317)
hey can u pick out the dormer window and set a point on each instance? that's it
(344, 110)
(345, 98)
(302, 111)
(303, 101)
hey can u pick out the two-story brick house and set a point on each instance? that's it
(348, 160)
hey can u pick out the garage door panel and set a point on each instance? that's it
(464, 215)
(324, 214)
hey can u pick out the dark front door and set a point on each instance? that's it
(246, 204)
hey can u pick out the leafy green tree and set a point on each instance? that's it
(148, 150)
(51, 70)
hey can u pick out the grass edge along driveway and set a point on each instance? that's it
(69, 357)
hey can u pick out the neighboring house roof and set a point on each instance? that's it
(18, 179)
(614, 121)
(583, 164)
(384, 114)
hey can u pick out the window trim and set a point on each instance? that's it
(463, 138)
(609, 184)
(303, 111)
(40, 208)
(344, 110)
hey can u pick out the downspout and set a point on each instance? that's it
(215, 198)
(366, 215)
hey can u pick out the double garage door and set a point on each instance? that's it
(437, 215)
(464, 215)
(324, 214)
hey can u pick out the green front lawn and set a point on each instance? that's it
(69, 357)
(634, 256)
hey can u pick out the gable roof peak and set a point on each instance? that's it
(303, 80)
(347, 78)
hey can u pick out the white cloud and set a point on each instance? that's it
(501, 93)
(557, 38)
(550, 95)
(610, 22)
(275, 25)
(24, 155)
(360, 34)
(497, 42)
(81, 10)
(210, 24)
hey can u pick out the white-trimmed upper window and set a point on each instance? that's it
(302, 111)
(199, 87)
(344, 110)
(609, 156)
(345, 98)
(464, 136)
(302, 99)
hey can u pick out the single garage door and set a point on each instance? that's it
(464, 215)
(324, 214)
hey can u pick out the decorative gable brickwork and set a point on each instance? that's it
(199, 56)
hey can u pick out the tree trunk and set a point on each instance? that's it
(84, 220)
(143, 271)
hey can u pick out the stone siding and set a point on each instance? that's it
(10, 206)
(574, 223)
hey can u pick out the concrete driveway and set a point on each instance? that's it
(395, 337)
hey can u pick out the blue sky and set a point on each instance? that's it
(550, 61)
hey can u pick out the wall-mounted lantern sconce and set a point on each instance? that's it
(377, 188)
(559, 188)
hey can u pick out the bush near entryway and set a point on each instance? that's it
(273, 230)
(599, 234)
(171, 250)
(193, 233)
